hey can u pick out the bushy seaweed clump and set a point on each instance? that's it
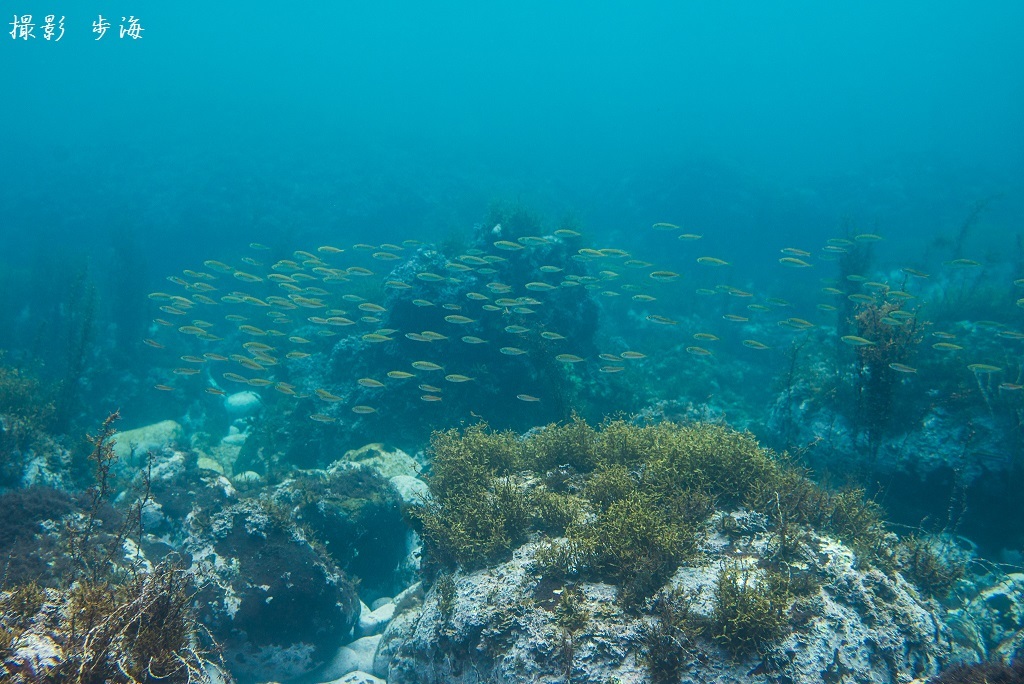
(631, 501)
(750, 609)
(27, 410)
(137, 630)
(893, 342)
(66, 579)
(989, 672)
(922, 562)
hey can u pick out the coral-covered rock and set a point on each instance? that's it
(508, 624)
(278, 604)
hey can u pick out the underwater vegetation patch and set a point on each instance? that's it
(630, 503)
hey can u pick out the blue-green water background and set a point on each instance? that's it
(759, 124)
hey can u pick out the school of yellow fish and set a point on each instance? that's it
(255, 309)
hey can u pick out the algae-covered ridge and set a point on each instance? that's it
(630, 504)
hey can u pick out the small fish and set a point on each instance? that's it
(568, 358)
(984, 368)
(793, 251)
(962, 263)
(690, 237)
(539, 287)
(426, 366)
(698, 351)
(612, 369)
(633, 355)
(708, 337)
(375, 338)
(566, 233)
(855, 341)
(429, 388)
(643, 298)
(754, 344)
(946, 346)
(455, 377)
(516, 329)
(867, 237)
(793, 262)
(400, 375)
(654, 318)
(663, 276)
(218, 266)
(385, 256)
(470, 339)
(508, 246)
(321, 418)
(363, 410)
(902, 368)
(1010, 386)
(259, 382)
(735, 318)
(915, 273)
(324, 395)
(216, 391)
(234, 377)
(430, 397)
(526, 397)
(665, 226)
(371, 307)
(511, 351)
(153, 343)
(713, 261)
(247, 277)
(552, 336)
(370, 382)
(163, 388)
(459, 320)
(185, 371)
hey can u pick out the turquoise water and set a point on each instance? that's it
(802, 219)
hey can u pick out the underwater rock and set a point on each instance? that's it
(501, 624)
(996, 616)
(148, 438)
(279, 606)
(374, 621)
(388, 463)
(356, 515)
(356, 656)
(242, 403)
(357, 677)
(413, 490)
(180, 495)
